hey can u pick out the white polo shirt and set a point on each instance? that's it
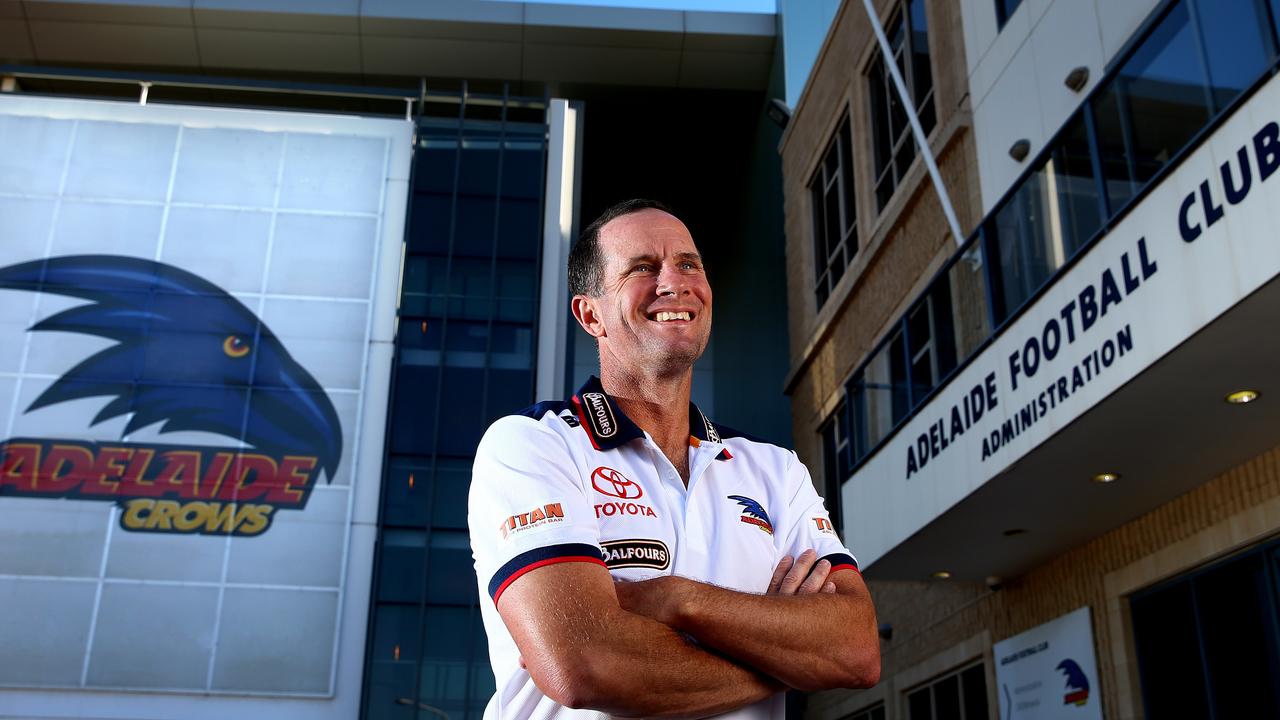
(577, 481)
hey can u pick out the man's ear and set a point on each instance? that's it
(584, 311)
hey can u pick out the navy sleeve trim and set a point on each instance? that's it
(841, 561)
(538, 557)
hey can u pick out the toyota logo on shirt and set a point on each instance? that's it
(610, 482)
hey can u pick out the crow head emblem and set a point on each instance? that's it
(753, 513)
(187, 357)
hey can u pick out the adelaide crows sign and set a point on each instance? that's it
(189, 357)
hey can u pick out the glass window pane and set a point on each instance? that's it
(1169, 662)
(449, 495)
(406, 494)
(451, 577)
(1237, 625)
(1072, 189)
(1030, 241)
(848, 199)
(1163, 86)
(1005, 8)
(973, 682)
(400, 576)
(818, 198)
(1235, 43)
(920, 705)
(397, 633)
(880, 115)
(921, 73)
(946, 698)
(1112, 147)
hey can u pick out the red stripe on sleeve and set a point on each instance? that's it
(534, 566)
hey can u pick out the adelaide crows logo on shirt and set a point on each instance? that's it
(753, 513)
(188, 357)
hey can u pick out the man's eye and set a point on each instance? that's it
(643, 267)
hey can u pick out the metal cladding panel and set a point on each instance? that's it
(196, 314)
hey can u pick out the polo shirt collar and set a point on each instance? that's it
(608, 427)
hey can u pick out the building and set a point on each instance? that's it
(1051, 432)
(267, 270)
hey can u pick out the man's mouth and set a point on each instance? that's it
(666, 316)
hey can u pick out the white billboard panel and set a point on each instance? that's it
(196, 318)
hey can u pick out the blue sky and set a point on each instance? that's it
(749, 6)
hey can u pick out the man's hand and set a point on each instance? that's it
(583, 651)
(656, 598)
(801, 576)
(812, 630)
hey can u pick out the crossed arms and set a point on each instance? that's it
(621, 648)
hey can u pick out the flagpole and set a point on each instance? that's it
(921, 140)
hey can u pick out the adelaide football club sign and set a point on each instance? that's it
(188, 356)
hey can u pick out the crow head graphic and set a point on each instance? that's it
(187, 355)
(753, 508)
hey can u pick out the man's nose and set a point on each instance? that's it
(671, 281)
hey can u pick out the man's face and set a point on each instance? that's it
(654, 311)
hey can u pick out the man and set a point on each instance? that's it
(639, 559)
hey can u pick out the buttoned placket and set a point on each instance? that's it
(701, 456)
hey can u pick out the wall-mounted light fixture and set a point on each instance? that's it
(1077, 78)
(778, 112)
(1019, 150)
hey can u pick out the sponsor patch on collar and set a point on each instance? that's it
(712, 435)
(599, 414)
(636, 553)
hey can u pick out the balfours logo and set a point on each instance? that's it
(637, 553)
(188, 357)
(600, 414)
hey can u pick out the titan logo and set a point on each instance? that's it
(824, 525)
(520, 522)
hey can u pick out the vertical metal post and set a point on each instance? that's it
(558, 227)
(909, 106)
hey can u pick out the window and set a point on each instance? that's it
(1197, 59)
(835, 217)
(931, 336)
(1208, 644)
(961, 695)
(837, 461)
(1005, 8)
(908, 34)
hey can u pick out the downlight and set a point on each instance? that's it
(1242, 397)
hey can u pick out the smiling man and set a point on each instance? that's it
(641, 560)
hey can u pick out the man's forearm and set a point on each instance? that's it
(650, 670)
(809, 642)
(584, 651)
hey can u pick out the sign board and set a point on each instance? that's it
(1049, 672)
(196, 315)
(1196, 245)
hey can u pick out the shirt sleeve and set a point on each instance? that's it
(526, 507)
(811, 527)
